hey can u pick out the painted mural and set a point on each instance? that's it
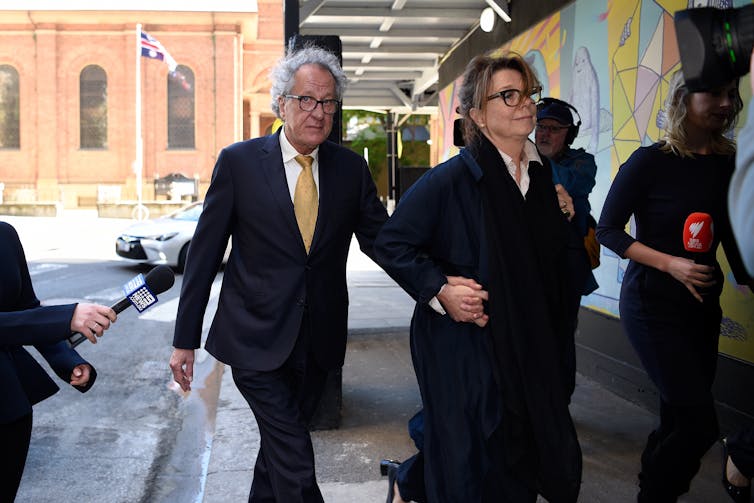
(618, 88)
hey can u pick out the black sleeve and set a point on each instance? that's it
(621, 201)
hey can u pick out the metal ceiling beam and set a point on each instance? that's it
(370, 74)
(309, 9)
(401, 96)
(439, 34)
(353, 63)
(424, 14)
(353, 49)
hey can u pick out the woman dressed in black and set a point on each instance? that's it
(670, 300)
(24, 322)
(487, 225)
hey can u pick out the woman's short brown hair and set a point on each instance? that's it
(476, 82)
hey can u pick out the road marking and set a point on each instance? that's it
(35, 269)
(107, 295)
(167, 311)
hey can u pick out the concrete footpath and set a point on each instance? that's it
(380, 395)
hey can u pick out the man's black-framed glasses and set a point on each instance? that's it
(552, 129)
(308, 103)
(514, 97)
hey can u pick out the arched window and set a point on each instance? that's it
(10, 136)
(93, 107)
(181, 108)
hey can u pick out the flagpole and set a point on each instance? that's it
(139, 161)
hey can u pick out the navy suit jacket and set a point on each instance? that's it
(24, 322)
(269, 279)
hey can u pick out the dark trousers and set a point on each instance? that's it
(679, 354)
(741, 450)
(410, 476)
(15, 438)
(283, 402)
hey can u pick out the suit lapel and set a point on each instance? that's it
(274, 172)
(327, 179)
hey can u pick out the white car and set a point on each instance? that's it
(163, 240)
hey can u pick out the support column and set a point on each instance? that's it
(291, 20)
(391, 130)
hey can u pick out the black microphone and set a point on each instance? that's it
(140, 292)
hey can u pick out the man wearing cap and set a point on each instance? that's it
(575, 169)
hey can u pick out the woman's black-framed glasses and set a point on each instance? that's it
(308, 103)
(514, 97)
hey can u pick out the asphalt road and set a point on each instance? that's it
(133, 437)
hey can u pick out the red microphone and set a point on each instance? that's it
(698, 232)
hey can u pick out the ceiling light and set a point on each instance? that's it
(487, 20)
(499, 10)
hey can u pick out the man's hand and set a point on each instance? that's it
(463, 300)
(91, 320)
(565, 201)
(80, 375)
(182, 365)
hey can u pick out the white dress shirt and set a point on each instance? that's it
(292, 167)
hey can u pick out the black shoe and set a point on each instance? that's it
(387, 464)
(737, 493)
(389, 467)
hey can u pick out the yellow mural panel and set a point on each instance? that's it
(624, 149)
(623, 27)
(653, 131)
(672, 5)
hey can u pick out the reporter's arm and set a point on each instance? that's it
(684, 270)
(50, 324)
(63, 360)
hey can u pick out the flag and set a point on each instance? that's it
(152, 48)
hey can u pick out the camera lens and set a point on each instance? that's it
(715, 45)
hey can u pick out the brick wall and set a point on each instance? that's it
(50, 49)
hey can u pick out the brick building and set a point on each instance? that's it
(68, 98)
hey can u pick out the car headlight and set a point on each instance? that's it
(162, 237)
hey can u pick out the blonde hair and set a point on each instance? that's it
(675, 124)
(476, 82)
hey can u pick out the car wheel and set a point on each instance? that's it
(182, 257)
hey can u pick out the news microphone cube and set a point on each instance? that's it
(138, 293)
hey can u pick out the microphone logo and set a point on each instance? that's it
(695, 228)
(694, 243)
(139, 294)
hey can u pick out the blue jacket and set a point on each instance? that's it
(576, 171)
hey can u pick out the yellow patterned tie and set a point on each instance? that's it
(305, 200)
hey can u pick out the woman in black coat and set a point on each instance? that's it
(670, 297)
(24, 322)
(486, 226)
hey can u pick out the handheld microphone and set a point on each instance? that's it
(141, 292)
(698, 233)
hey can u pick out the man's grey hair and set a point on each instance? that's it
(282, 74)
